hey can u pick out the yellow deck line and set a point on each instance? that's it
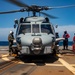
(6, 59)
(67, 65)
(53, 65)
(4, 55)
(45, 64)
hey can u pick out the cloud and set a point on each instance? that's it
(70, 28)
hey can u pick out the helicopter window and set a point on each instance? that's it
(35, 28)
(25, 29)
(46, 28)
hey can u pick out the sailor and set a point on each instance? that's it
(10, 39)
(73, 46)
(74, 38)
(65, 42)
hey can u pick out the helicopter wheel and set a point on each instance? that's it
(36, 52)
(14, 52)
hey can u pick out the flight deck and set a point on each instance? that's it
(61, 64)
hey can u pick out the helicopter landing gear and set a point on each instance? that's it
(54, 52)
(15, 52)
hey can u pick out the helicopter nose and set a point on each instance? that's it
(36, 46)
(37, 41)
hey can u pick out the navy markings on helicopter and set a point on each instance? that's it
(35, 35)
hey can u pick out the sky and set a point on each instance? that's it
(65, 21)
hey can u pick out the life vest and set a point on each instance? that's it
(66, 35)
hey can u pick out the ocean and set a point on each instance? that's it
(5, 43)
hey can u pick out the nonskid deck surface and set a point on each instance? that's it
(61, 64)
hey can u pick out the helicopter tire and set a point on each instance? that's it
(15, 51)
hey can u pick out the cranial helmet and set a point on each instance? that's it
(11, 31)
(65, 32)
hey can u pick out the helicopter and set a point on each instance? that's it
(35, 35)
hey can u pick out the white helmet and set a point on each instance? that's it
(11, 31)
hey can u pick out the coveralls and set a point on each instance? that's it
(65, 42)
(10, 39)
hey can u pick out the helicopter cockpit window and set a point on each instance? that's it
(35, 28)
(25, 29)
(46, 28)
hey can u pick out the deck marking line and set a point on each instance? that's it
(46, 64)
(4, 49)
(4, 55)
(20, 62)
(53, 65)
(67, 65)
(33, 64)
(6, 59)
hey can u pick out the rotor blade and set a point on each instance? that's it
(18, 3)
(53, 17)
(67, 6)
(7, 12)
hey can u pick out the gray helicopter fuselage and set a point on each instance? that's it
(35, 35)
(35, 30)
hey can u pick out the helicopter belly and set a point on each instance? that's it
(47, 50)
(36, 44)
